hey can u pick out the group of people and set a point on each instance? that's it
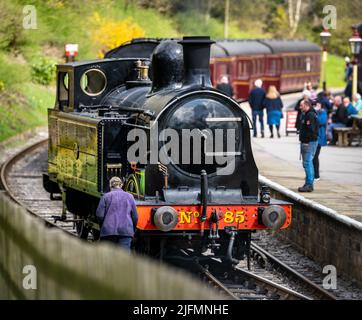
(260, 100)
(318, 116)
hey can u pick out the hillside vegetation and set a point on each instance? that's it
(28, 56)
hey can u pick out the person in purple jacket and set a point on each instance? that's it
(117, 214)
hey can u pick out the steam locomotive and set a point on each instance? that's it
(182, 147)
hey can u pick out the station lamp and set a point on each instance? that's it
(355, 43)
(325, 35)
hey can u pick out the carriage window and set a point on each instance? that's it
(243, 69)
(93, 82)
(222, 69)
(285, 64)
(272, 70)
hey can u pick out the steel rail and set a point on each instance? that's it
(4, 176)
(206, 273)
(320, 292)
(272, 287)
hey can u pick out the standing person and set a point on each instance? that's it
(348, 68)
(274, 106)
(117, 213)
(322, 136)
(339, 119)
(325, 101)
(348, 89)
(305, 96)
(308, 137)
(225, 87)
(256, 98)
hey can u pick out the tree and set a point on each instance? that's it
(294, 12)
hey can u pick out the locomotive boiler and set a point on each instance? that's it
(182, 147)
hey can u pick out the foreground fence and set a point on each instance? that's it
(322, 234)
(41, 263)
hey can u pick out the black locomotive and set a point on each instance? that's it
(182, 146)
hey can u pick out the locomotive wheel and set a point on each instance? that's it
(82, 229)
(133, 186)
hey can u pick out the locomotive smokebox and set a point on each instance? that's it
(196, 51)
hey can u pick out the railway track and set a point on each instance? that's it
(269, 277)
(241, 284)
(21, 179)
(266, 259)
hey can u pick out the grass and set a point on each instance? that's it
(24, 108)
(335, 72)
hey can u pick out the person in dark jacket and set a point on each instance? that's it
(322, 136)
(305, 96)
(256, 98)
(325, 102)
(348, 89)
(308, 137)
(274, 106)
(339, 119)
(348, 70)
(225, 87)
(117, 213)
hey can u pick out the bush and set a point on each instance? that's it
(43, 70)
(110, 34)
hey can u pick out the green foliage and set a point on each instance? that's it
(11, 28)
(277, 22)
(23, 108)
(43, 70)
(12, 72)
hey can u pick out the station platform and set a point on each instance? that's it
(340, 186)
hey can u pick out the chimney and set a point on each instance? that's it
(196, 52)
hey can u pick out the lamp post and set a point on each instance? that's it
(355, 43)
(324, 35)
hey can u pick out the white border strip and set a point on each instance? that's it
(349, 222)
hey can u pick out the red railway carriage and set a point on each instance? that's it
(299, 62)
(243, 61)
(286, 64)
